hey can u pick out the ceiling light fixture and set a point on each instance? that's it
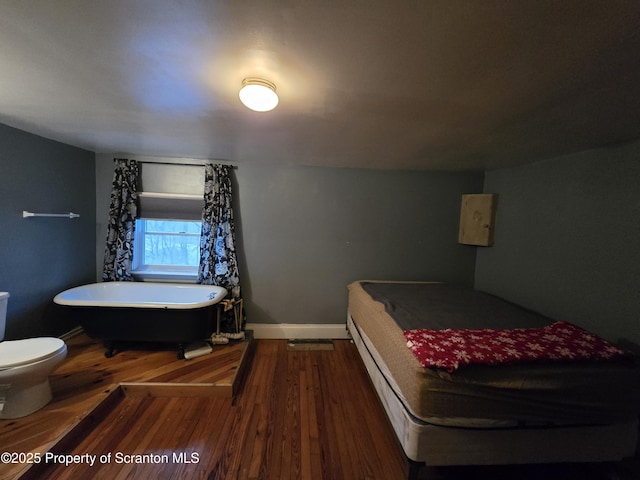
(258, 94)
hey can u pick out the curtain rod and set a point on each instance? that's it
(183, 162)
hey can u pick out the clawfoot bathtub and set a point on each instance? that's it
(117, 312)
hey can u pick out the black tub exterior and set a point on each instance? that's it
(118, 325)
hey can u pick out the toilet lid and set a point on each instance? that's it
(14, 353)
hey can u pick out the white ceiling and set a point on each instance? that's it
(421, 84)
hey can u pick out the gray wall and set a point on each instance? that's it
(304, 233)
(567, 236)
(40, 257)
(307, 232)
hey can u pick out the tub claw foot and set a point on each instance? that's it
(110, 349)
(181, 352)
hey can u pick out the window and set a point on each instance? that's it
(167, 249)
(167, 235)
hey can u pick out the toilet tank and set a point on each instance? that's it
(4, 298)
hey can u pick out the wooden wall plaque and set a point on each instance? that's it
(477, 219)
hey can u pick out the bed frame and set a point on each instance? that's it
(433, 445)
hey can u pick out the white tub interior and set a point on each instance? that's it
(142, 295)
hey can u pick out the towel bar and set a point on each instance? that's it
(26, 214)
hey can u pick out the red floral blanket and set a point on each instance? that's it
(449, 349)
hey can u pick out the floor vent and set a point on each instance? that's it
(307, 344)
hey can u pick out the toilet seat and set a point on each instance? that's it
(14, 353)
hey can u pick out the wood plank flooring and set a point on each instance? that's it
(296, 415)
(87, 385)
(299, 415)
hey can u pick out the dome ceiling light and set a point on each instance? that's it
(259, 94)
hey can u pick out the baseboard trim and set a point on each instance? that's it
(276, 330)
(71, 333)
(295, 330)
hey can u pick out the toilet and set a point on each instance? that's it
(25, 366)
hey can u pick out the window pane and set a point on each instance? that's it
(169, 242)
(171, 250)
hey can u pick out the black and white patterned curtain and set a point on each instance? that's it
(120, 227)
(218, 262)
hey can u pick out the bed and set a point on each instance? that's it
(509, 413)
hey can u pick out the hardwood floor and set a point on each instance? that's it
(86, 386)
(299, 415)
(296, 415)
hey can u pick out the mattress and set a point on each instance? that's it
(525, 394)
